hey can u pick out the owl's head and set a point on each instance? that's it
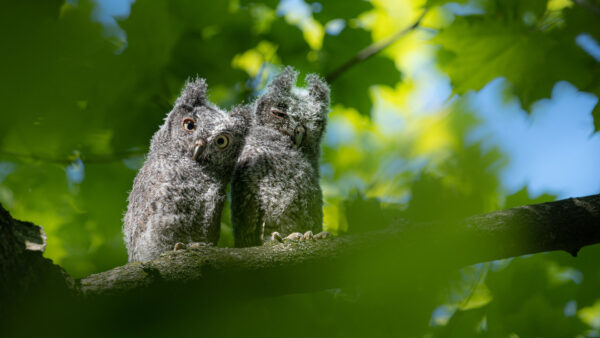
(299, 113)
(199, 131)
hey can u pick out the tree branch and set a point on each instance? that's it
(276, 269)
(371, 50)
(207, 272)
(87, 159)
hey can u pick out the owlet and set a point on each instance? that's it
(179, 193)
(275, 186)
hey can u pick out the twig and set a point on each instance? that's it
(373, 49)
(88, 159)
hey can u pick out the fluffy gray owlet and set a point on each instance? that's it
(275, 185)
(178, 194)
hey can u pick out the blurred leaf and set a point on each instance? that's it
(334, 9)
(479, 297)
(352, 88)
(431, 3)
(365, 214)
(591, 315)
(466, 185)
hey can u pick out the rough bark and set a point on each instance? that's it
(282, 268)
(274, 269)
(24, 272)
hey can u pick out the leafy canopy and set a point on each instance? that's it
(82, 98)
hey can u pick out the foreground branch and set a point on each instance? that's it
(202, 290)
(283, 268)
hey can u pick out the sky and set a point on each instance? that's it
(552, 149)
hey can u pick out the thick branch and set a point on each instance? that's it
(283, 268)
(23, 269)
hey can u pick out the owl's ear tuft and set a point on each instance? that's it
(284, 81)
(318, 89)
(193, 94)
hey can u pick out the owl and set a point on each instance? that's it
(179, 193)
(275, 188)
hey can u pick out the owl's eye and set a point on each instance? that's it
(278, 113)
(189, 124)
(222, 141)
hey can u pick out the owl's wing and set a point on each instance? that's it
(247, 215)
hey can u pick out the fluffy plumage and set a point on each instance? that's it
(275, 185)
(179, 193)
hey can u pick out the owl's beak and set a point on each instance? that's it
(198, 149)
(299, 135)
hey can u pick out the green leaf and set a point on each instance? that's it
(476, 50)
(596, 112)
(513, 10)
(582, 20)
(521, 197)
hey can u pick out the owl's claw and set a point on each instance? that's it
(276, 237)
(199, 244)
(193, 245)
(295, 236)
(323, 235)
(298, 236)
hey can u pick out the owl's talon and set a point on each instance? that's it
(308, 236)
(323, 235)
(276, 237)
(178, 246)
(196, 245)
(295, 236)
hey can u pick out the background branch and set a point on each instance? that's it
(87, 159)
(371, 50)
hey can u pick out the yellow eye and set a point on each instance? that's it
(222, 141)
(189, 124)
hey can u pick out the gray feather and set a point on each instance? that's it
(174, 197)
(275, 186)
